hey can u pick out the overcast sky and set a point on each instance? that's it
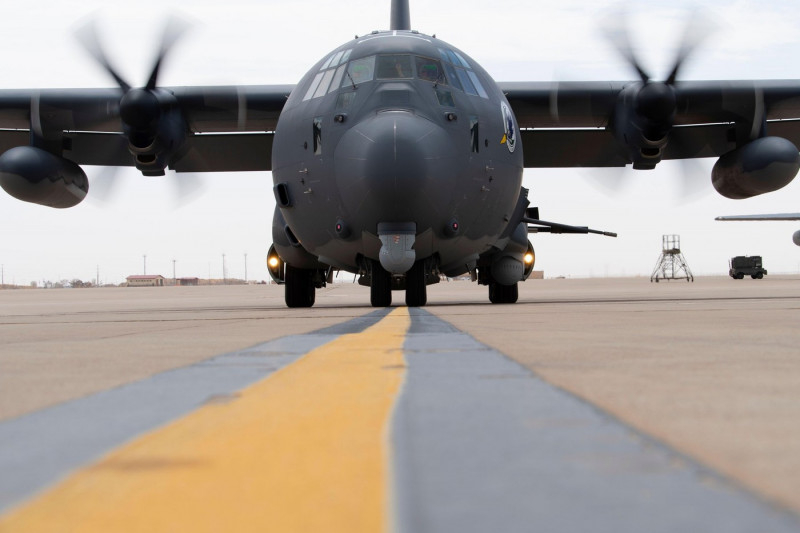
(265, 42)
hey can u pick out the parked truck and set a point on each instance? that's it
(742, 265)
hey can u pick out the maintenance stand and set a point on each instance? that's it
(671, 264)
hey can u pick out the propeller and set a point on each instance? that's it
(655, 100)
(615, 27)
(152, 121)
(140, 108)
(106, 182)
(645, 113)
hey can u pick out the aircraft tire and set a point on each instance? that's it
(299, 287)
(503, 294)
(380, 288)
(416, 290)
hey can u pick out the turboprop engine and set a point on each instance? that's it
(763, 165)
(34, 175)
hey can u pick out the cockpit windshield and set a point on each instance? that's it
(395, 66)
(451, 69)
(359, 71)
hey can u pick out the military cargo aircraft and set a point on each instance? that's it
(768, 217)
(397, 157)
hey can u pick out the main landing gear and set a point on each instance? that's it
(299, 287)
(503, 294)
(416, 289)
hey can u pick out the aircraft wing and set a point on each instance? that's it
(229, 128)
(575, 124)
(599, 124)
(775, 216)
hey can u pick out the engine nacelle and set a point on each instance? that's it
(34, 175)
(154, 146)
(643, 118)
(796, 237)
(763, 165)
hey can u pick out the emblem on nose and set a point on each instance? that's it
(510, 135)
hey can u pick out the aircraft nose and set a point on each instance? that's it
(386, 163)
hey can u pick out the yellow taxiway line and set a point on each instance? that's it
(306, 449)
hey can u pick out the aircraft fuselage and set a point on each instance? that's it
(394, 133)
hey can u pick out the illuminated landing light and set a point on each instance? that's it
(528, 260)
(275, 266)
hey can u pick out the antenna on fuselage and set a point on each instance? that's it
(401, 16)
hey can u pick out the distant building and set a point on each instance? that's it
(145, 281)
(187, 282)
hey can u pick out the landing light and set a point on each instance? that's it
(528, 258)
(274, 261)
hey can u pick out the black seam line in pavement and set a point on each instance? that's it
(280, 314)
(276, 308)
(152, 320)
(646, 439)
(151, 310)
(146, 320)
(624, 301)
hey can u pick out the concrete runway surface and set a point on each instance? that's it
(601, 404)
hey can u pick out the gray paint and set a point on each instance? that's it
(38, 449)
(482, 444)
(401, 15)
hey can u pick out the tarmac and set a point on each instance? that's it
(614, 404)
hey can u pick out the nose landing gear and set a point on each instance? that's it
(381, 283)
(380, 286)
(416, 289)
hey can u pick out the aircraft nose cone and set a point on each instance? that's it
(386, 163)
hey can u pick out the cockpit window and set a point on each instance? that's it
(393, 66)
(453, 58)
(466, 82)
(329, 77)
(313, 87)
(359, 71)
(460, 74)
(335, 59)
(430, 70)
(477, 83)
(452, 77)
(327, 62)
(461, 60)
(337, 78)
